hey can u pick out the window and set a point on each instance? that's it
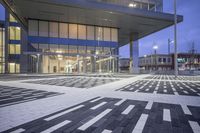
(160, 60)
(114, 33)
(99, 33)
(164, 60)
(15, 33)
(169, 60)
(17, 68)
(33, 27)
(53, 27)
(17, 49)
(90, 32)
(43, 28)
(11, 67)
(82, 32)
(73, 31)
(14, 49)
(12, 19)
(63, 28)
(14, 68)
(106, 34)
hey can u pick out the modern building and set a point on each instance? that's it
(66, 36)
(186, 61)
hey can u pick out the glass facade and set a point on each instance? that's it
(69, 58)
(72, 31)
(14, 49)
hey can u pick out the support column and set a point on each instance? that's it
(93, 62)
(6, 40)
(84, 65)
(134, 54)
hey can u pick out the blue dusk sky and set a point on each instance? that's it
(188, 30)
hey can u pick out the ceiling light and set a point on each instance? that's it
(132, 5)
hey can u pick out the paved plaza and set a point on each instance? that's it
(96, 103)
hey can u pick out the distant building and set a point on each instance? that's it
(124, 64)
(186, 61)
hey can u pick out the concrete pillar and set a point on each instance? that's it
(84, 65)
(93, 62)
(134, 54)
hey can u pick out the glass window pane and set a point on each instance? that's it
(43, 28)
(90, 32)
(72, 49)
(12, 33)
(11, 67)
(73, 31)
(18, 33)
(11, 49)
(99, 33)
(44, 47)
(17, 68)
(82, 32)
(33, 27)
(63, 30)
(106, 34)
(82, 49)
(12, 19)
(53, 27)
(114, 33)
(18, 49)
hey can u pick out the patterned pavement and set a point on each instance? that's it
(171, 77)
(139, 104)
(118, 116)
(164, 87)
(14, 95)
(75, 82)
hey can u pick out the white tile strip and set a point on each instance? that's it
(20, 130)
(62, 113)
(140, 124)
(53, 128)
(98, 105)
(96, 99)
(149, 105)
(120, 102)
(106, 131)
(95, 119)
(195, 126)
(128, 109)
(186, 110)
(166, 115)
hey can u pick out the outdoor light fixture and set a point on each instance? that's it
(132, 5)
(155, 47)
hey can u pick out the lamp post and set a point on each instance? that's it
(175, 41)
(155, 47)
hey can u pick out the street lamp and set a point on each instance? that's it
(175, 41)
(155, 47)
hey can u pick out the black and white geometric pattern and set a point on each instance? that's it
(118, 116)
(164, 87)
(14, 95)
(171, 77)
(74, 82)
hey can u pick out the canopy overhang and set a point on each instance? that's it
(130, 22)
